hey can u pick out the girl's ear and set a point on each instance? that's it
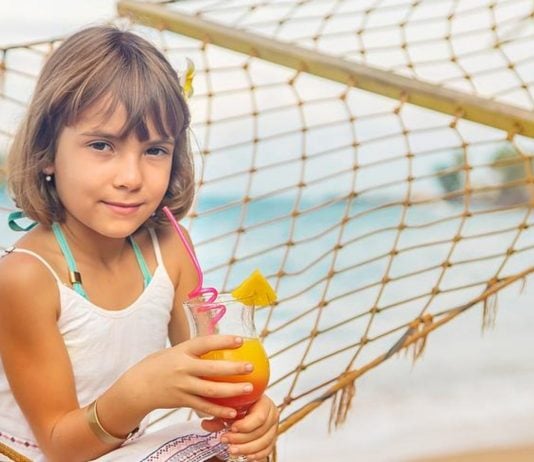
(49, 170)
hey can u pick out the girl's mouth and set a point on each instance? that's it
(122, 208)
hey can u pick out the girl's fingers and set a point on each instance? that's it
(213, 389)
(251, 424)
(234, 437)
(261, 416)
(261, 445)
(255, 435)
(198, 346)
(206, 407)
(219, 368)
(212, 425)
(243, 432)
(262, 455)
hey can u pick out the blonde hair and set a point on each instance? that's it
(93, 64)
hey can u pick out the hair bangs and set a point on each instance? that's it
(151, 97)
(146, 102)
(146, 97)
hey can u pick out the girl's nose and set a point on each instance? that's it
(128, 173)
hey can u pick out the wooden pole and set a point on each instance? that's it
(502, 116)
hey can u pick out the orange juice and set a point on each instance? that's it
(250, 351)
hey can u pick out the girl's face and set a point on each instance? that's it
(107, 184)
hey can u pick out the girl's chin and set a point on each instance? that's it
(117, 229)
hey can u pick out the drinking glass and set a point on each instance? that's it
(226, 315)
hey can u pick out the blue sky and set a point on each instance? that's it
(36, 19)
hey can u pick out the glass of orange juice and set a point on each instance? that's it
(226, 315)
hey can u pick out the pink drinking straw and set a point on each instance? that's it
(219, 310)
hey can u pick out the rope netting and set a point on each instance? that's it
(372, 158)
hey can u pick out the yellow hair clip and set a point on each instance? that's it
(187, 78)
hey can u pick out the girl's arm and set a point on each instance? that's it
(40, 374)
(38, 367)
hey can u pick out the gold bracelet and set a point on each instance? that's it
(100, 431)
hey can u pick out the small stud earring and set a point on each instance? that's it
(48, 178)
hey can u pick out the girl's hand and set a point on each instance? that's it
(173, 377)
(254, 435)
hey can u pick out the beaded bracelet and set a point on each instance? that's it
(100, 431)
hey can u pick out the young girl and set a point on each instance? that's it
(89, 296)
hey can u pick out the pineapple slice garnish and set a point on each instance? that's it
(255, 291)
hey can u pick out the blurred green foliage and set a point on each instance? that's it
(510, 164)
(451, 176)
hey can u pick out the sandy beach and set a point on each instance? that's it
(517, 454)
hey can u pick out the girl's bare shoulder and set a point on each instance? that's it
(24, 280)
(175, 255)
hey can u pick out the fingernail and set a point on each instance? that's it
(248, 388)
(224, 440)
(238, 340)
(249, 367)
(231, 414)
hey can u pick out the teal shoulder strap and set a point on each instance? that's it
(74, 275)
(141, 260)
(12, 222)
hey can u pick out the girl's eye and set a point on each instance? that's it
(155, 151)
(100, 146)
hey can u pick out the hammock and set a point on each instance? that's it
(372, 158)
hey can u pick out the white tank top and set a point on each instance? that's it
(102, 344)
